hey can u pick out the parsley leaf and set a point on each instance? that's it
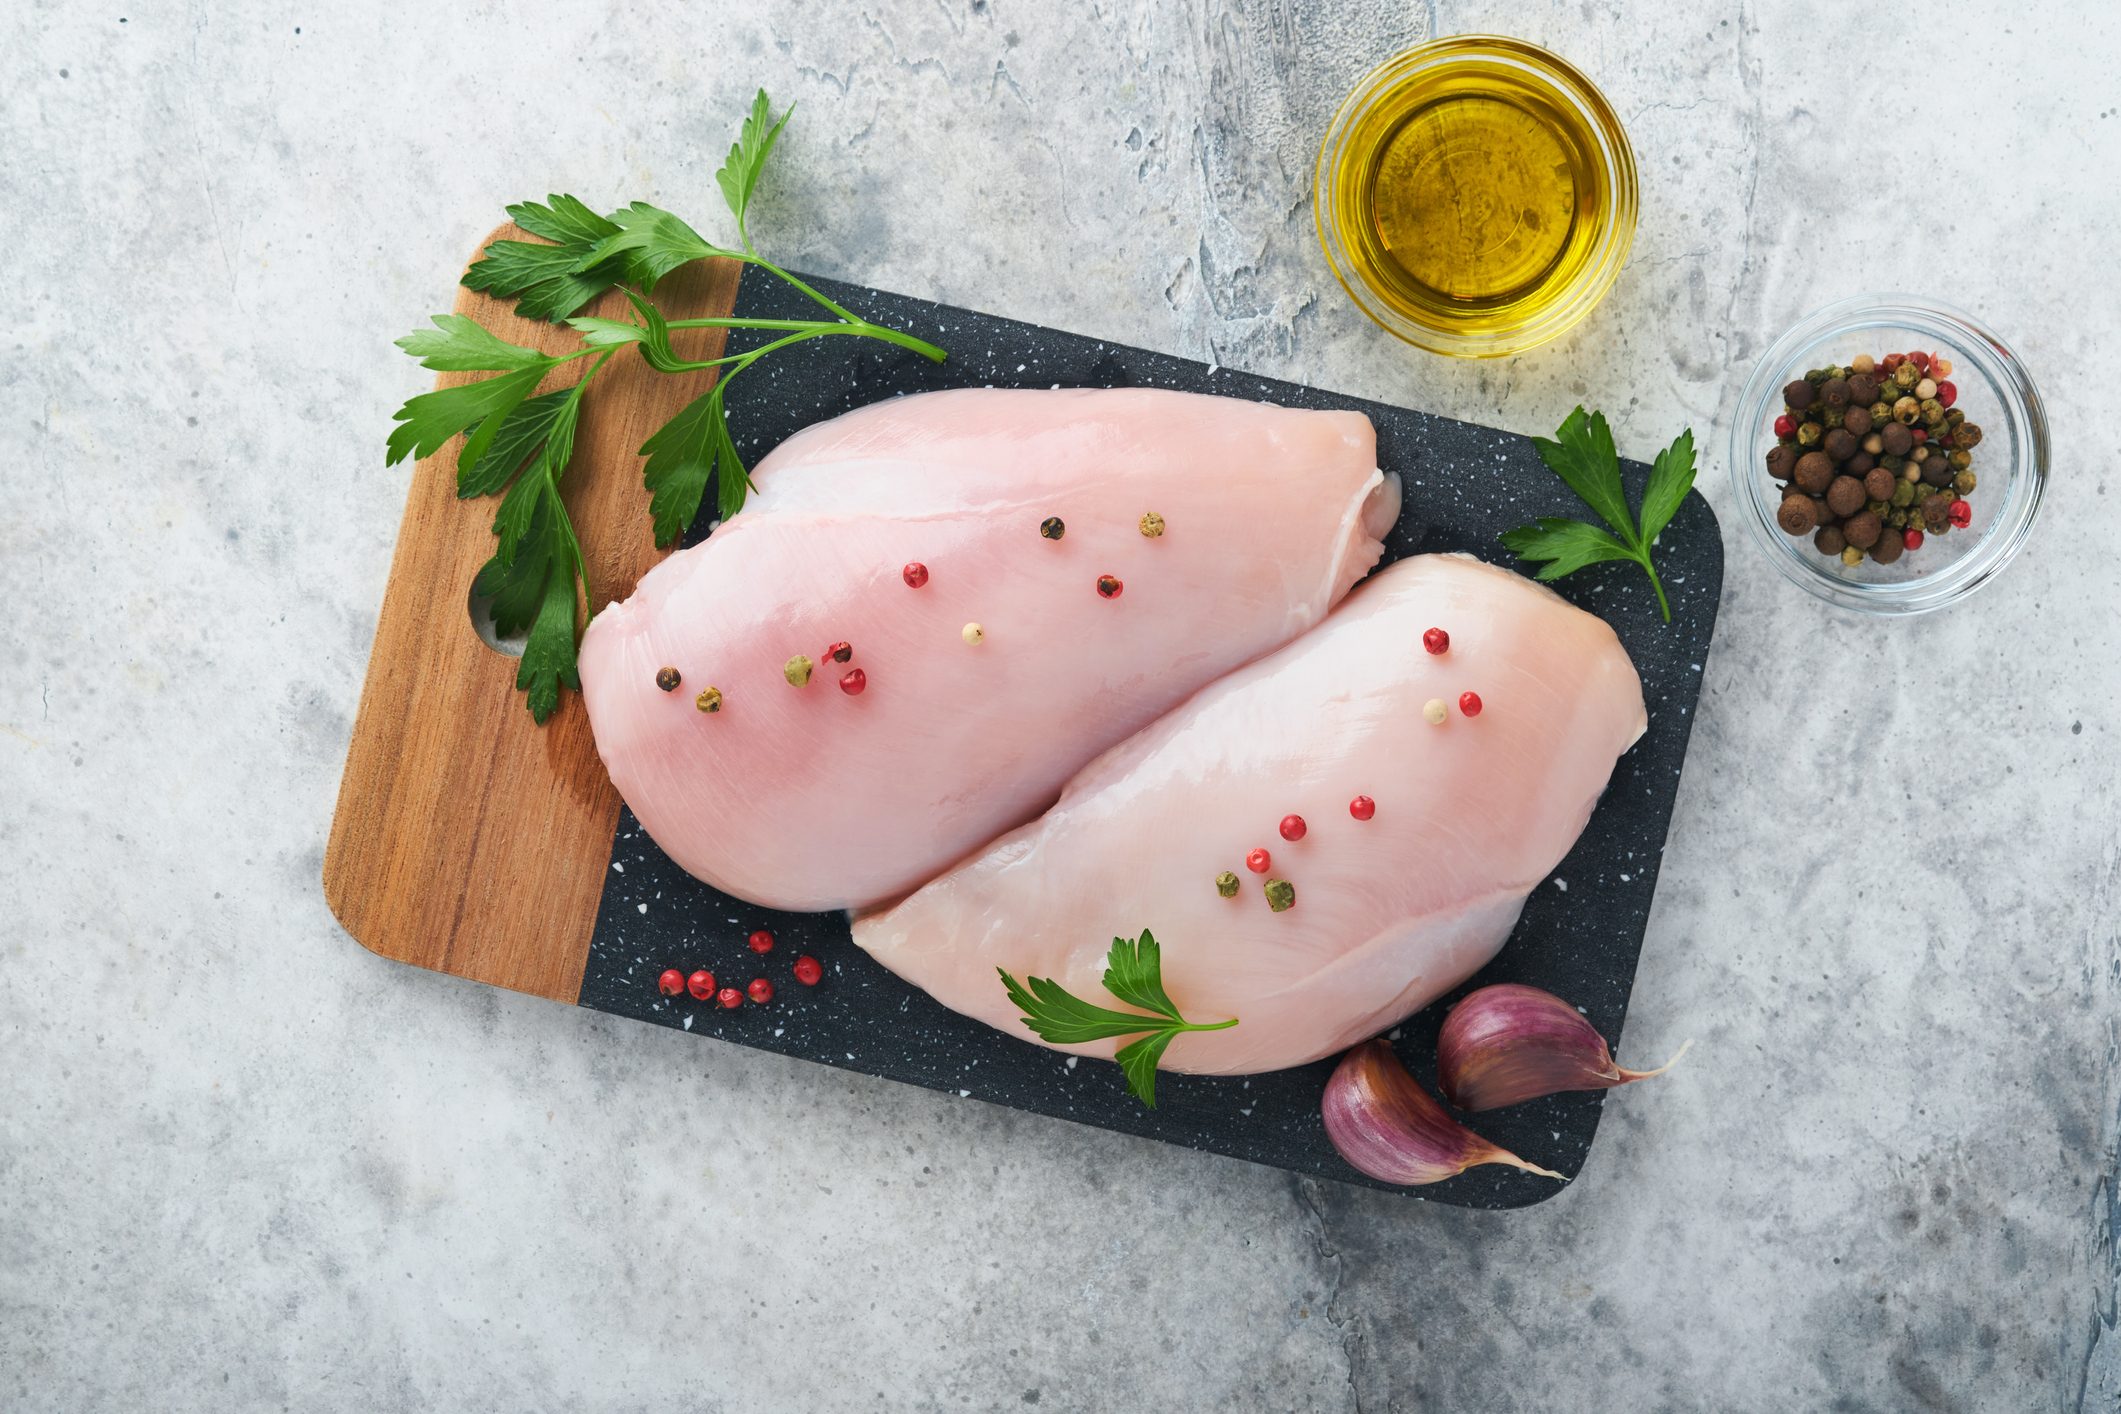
(549, 654)
(546, 279)
(1671, 477)
(738, 177)
(430, 419)
(458, 343)
(1133, 974)
(681, 458)
(651, 242)
(523, 429)
(1583, 456)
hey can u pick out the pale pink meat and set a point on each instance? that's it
(808, 798)
(1390, 913)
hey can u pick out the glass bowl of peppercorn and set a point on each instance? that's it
(1891, 452)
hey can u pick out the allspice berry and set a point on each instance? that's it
(1888, 549)
(1782, 461)
(1798, 515)
(1878, 484)
(1937, 513)
(1937, 472)
(1860, 464)
(1862, 531)
(1815, 472)
(1896, 440)
(1841, 444)
(1798, 394)
(1835, 392)
(1829, 540)
(1845, 496)
(1863, 389)
(1857, 420)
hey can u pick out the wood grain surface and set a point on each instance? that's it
(453, 798)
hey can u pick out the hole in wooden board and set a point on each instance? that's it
(481, 607)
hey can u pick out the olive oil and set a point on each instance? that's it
(1477, 197)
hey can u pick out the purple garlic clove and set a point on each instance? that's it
(1506, 1044)
(1387, 1126)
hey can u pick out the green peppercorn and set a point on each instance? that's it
(1281, 895)
(1954, 416)
(1962, 460)
(1906, 376)
(1904, 494)
(1897, 519)
(1226, 884)
(1881, 411)
(1964, 483)
(1967, 434)
(1809, 434)
(1932, 412)
(1831, 418)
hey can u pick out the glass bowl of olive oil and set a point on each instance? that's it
(1476, 196)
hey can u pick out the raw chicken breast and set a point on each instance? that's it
(1390, 913)
(811, 798)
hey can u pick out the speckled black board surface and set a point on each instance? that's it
(1464, 484)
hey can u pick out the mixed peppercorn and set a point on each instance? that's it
(701, 985)
(1873, 457)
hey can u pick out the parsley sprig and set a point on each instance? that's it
(518, 441)
(1582, 455)
(1134, 974)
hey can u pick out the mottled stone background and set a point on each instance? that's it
(243, 1163)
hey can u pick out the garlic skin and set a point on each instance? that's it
(1385, 1125)
(1508, 1043)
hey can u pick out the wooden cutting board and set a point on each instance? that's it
(470, 841)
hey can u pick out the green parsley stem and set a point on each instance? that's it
(1656, 584)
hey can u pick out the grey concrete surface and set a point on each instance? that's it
(244, 1164)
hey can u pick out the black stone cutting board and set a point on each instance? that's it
(1464, 485)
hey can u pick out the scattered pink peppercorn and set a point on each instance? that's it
(1785, 426)
(1469, 703)
(1892, 361)
(1920, 434)
(1436, 641)
(853, 683)
(1293, 828)
(1258, 861)
(840, 652)
(760, 990)
(761, 941)
(1960, 514)
(808, 971)
(700, 984)
(1912, 538)
(1920, 360)
(1109, 587)
(671, 982)
(1362, 807)
(730, 998)
(1947, 392)
(916, 575)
